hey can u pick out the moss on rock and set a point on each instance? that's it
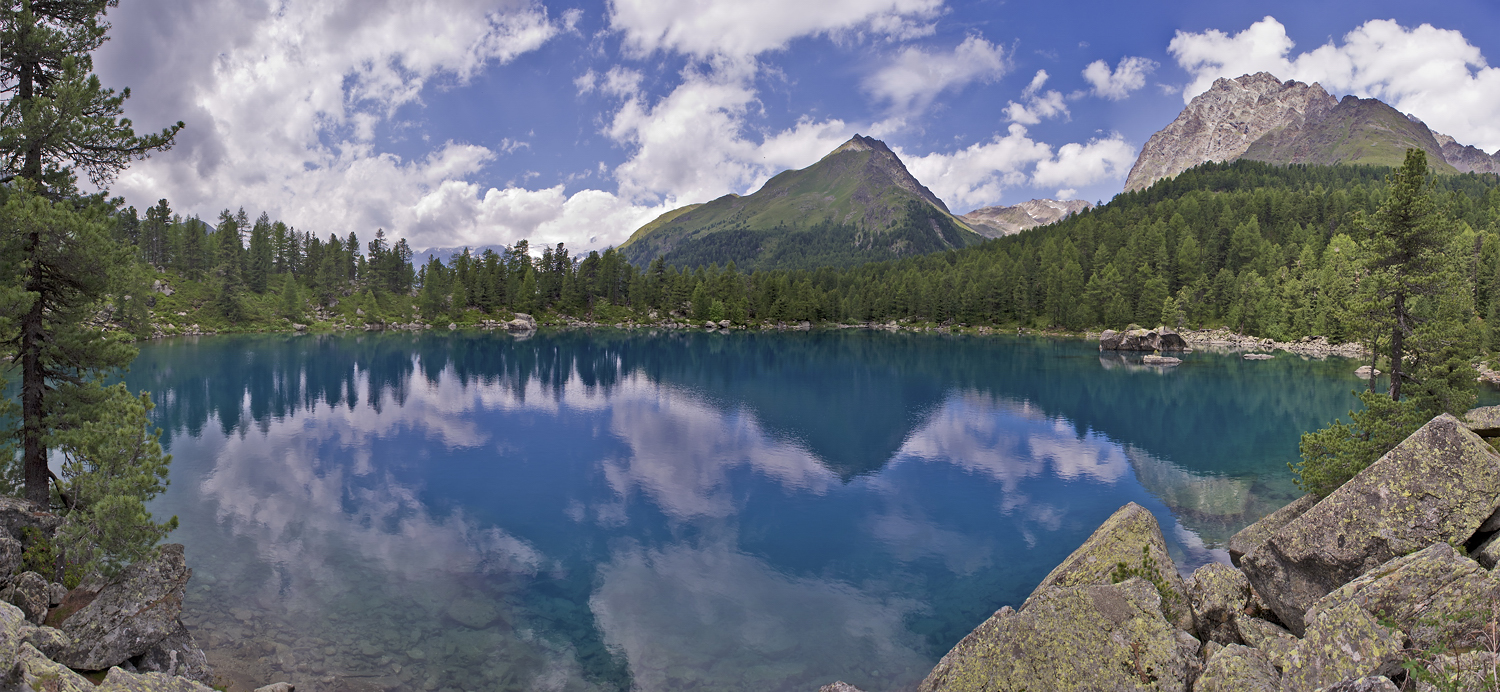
(1238, 668)
(1342, 642)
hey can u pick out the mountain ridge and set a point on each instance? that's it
(999, 221)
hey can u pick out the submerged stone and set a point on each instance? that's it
(1130, 537)
(1438, 485)
(1072, 638)
(120, 681)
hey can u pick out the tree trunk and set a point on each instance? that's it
(1397, 336)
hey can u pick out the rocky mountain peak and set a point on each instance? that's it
(1221, 123)
(994, 222)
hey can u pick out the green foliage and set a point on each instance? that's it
(1336, 453)
(37, 554)
(1151, 572)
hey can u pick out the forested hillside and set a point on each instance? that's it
(1264, 249)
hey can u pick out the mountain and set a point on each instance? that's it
(1356, 131)
(858, 204)
(1221, 123)
(446, 254)
(994, 222)
(1261, 118)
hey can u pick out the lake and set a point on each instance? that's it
(679, 510)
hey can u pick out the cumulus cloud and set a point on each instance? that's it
(980, 174)
(704, 28)
(1128, 75)
(915, 77)
(1037, 103)
(1434, 74)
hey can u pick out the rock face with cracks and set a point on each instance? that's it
(1237, 668)
(1252, 536)
(1130, 536)
(1073, 638)
(1342, 642)
(1218, 593)
(129, 615)
(1438, 485)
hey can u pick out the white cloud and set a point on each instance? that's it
(1078, 165)
(980, 174)
(1434, 74)
(1038, 105)
(1128, 75)
(282, 103)
(915, 77)
(704, 28)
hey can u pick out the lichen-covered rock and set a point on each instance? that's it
(1159, 339)
(130, 615)
(1238, 668)
(120, 681)
(839, 686)
(10, 556)
(1342, 643)
(1250, 537)
(37, 673)
(1438, 485)
(29, 592)
(17, 514)
(47, 640)
(1466, 671)
(177, 654)
(1276, 643)
(1438, 597)
(1077, 638)
(1368, 683)
(1488, 552)
(1218, 594)
(12, 622)
(1130, 536)
(1484, 421)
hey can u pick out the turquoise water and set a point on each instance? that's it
(680, 511)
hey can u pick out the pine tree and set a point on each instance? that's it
(261, 255)
(59, 121)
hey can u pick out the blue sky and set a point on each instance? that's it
(487, 121)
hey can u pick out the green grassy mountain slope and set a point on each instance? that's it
(1357, 131)
(858, 204)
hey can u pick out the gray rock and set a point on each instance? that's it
(1342, 642)
(56, 593)
(1237, 668)
(839, 686)
(48, 640)
(1250, 537)
(1258, 356)
(1436, 596)
(1438, 485)
(12, 622)
(1484, 421)
(1466, 671)
(131, 614)
(289, 687)
(36, 672)
(1076, 638)
(121, 681)
(1363, 372)
(1161, 360)
(1368, 683)
(1218, 594)
(31, 593)
(17, 514)
(10, 556)
(1276, 643)
(1130, 536)
(1488, 552)
(177, 654)
(1159, 339)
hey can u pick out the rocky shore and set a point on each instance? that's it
(1389, 583)
(1315, 346)
(123, 634)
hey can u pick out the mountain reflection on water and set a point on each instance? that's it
(678, 511)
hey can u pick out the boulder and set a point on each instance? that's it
(1131, 537)
(1488, 552)
(1217, 594)
(1258, 356)
(120, 681)
(1363, 372)
(1436, 596)
(1109, 340)
(1367, 683)
(177, 654)
(1342, 643)
(1161, 360)
(31, 593)
(839, 686)
(1484, 421)
(1255, 534)
(1466, 671)
(48, 640)
(1075, 638)
(17, 514)
(1237, 668)
(35, 671)
(10, 556)
(1159, 339)
(1276, 643)
(12, 623)
(129, 615)
(1439, 485)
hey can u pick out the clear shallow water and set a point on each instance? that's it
(680, 511)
